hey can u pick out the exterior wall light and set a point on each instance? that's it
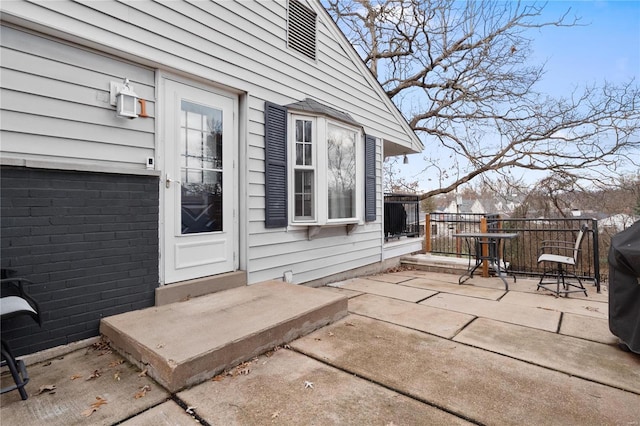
(126, 101)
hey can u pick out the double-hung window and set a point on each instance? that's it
(328, 163)
(304, 175)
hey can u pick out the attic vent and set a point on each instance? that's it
(302, 29)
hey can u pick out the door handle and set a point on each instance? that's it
(167, 182)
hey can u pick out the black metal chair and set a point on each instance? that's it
(15, 302)
(563, 255)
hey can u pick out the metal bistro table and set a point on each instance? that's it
(495, 249)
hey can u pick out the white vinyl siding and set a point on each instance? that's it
(241, 45)
(55, 104)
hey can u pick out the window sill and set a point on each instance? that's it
(314, 230)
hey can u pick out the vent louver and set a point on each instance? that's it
(302, 29)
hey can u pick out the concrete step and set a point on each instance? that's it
(185, 290)
(433, 263)
(185, 343)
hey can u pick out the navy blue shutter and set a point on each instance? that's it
(275, 141)
(369, 178)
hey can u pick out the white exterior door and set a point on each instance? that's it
(199, 181)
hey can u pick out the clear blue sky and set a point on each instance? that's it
(606, 46)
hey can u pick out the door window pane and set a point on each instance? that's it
(201, 201)
(201, 168)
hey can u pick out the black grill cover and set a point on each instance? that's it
(624, 286)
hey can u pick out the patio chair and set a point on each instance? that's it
(15, 302)
(563, 255)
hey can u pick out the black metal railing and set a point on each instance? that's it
(442, 226)
(401, 216)
(522, 253)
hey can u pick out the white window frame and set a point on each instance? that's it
(320, 216)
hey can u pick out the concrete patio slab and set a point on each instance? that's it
(577, 357)
(424, 318)
(516, 314)
(586, 307)
(166, 414)
(289, 388)
(434, 276)
(455, 288)
(589, 328)
(520, 284)
(475, 384)
(393, 278)
(185, 343)
(396, 291)
(342, 291)
(80, 378)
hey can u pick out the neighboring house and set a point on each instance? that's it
(467, 206)
(260, 152)
(444, 220)
(618, 222)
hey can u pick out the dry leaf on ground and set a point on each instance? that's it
(101, 345)
(76, 376)
(95, 375)
(46, 388)
(116, 363)
(143, 373)
(143, 391)
(95, 406)
(242, 369)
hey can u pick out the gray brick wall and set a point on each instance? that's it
(87, 241)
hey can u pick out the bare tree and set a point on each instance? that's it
(394, 182)
(458, 71)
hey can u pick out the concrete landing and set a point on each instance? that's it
(182, 344)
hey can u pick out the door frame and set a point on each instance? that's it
(160, 156)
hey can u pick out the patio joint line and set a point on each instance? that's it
(428, 297)
(475, 317)
(140, 412)
(472, 296)
(185, 407)
(398, 391)
(560, 322)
